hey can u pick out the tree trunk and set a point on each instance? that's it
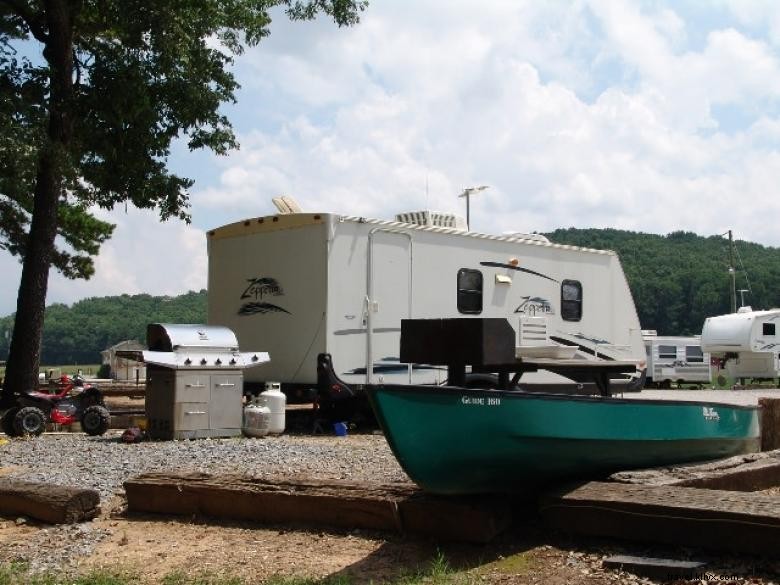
(25, 350)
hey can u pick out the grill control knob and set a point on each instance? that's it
(203, 362)
(187, 362)
(254, 358)
(218, 362)
(233, 362)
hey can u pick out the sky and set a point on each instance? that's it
(647, 116)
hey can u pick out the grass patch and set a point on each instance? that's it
(512, 565)
(437, 572)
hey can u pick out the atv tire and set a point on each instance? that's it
(95, 420)
(7, 421)
(29, 421)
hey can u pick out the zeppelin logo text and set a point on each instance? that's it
(256, 291)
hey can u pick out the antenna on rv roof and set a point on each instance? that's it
(467, 193)
(286, 204)
(742, 292)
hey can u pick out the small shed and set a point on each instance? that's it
(122, 368)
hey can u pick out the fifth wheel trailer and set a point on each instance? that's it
(302, 284)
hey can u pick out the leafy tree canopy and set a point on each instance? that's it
(91, 124)
(680, 279)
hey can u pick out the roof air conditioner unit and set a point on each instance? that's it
(433, 219)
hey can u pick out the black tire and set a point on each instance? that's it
(485, 381)
(30, 421)
(7, 421)
(95, 420)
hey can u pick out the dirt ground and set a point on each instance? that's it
(154, 546)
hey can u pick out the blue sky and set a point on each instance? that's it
(649, 116)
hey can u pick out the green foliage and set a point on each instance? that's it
(77, 334)
(145, 73)
(680, 279)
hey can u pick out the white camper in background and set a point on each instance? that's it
(747, 341)
(675, 360)
(301, 284)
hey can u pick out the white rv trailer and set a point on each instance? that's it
(301, 284)
(675, 359)
(747, 341)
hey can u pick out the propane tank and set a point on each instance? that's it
(276, 401)
(257, 418)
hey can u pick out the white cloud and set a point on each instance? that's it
(591, 113)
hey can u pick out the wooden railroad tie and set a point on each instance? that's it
(703, 518)
(394, 507)
(50, 503)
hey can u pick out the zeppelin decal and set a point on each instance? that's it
(261, 308)
(258, 289)
(518, 268)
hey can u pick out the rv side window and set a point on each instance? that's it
(769, 328)
(667, 352)
(571, 300)
(693, 353)
(469, 291)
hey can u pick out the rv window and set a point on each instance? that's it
(469, 291)
(667, 352)
(693, 353)
(769, 328)
(571, 300)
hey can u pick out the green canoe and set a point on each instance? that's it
(453, 440)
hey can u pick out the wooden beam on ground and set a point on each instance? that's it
(394, 507)
(712, 519)
(770, 423)
(746, 473)
(55, 504)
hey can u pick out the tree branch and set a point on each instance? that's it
(34, 20)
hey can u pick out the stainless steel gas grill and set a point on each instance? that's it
(194, 381)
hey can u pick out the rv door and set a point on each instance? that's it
(388, 298)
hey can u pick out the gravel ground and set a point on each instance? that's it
(104, 463)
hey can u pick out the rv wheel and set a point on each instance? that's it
(486, 381)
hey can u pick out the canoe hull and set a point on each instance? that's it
(455, 440)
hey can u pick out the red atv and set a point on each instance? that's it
(73, 401)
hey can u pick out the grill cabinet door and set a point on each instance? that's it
(225, 406)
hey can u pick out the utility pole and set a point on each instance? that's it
(733, 274)
(467, 192)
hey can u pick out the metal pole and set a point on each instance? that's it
(468, 214)
(733, 274)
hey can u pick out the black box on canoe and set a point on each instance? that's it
(457, 341)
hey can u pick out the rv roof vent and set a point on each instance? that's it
(524, 236)
(433, 219)
(649, 333)
(745, 309)
(286, 204)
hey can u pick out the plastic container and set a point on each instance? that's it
(340, 428)
(276, 401)
(257, 419)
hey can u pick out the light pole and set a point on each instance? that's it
(467, 192)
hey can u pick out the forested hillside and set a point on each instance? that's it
(77, 334)
(677, 281)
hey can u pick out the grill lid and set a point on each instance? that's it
(180, 346)
(178, 337)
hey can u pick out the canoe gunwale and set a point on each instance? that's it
(520, 394)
